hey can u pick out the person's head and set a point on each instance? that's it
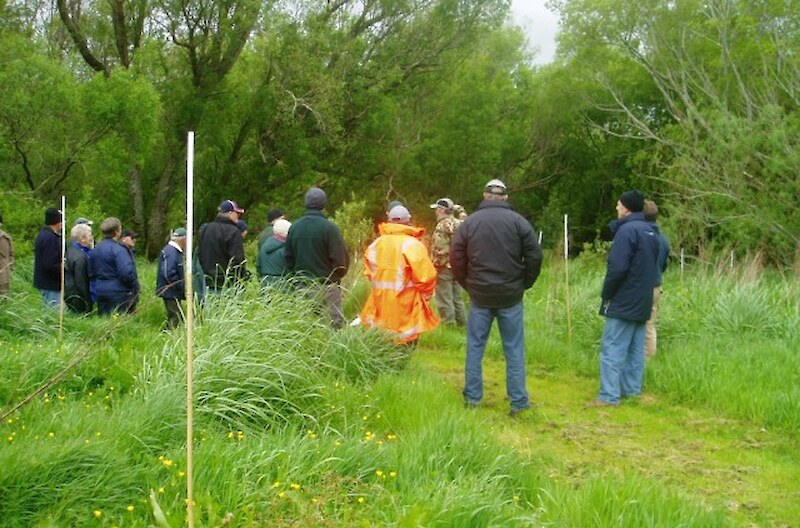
(443, 207)
(178, 235)
(630, 202)
(53, 218)
(231, 209)
(495, 190)
(242, 225)
(399, 215)
(281, 227)
(128, 237)
(82, 234)
(111, 227)
(650, 210)
(315, 199)
(82, 220)
(274, 214)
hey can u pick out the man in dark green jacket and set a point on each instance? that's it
(317, 256)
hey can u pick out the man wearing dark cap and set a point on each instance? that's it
(495, 256)
(128, 240)
(448, 292)
(316, 254)
(47, 258)
(626, 301)
(266, 234)
(221, 249)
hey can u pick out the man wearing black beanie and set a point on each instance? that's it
(47, 258)
(627, 300)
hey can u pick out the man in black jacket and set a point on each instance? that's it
(627, 301)
(221, 249)
(496, 257)
(47, 258)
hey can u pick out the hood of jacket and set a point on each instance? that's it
(389, 228)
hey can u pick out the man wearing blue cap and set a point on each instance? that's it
(221, 249)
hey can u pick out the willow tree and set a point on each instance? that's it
(722, 136)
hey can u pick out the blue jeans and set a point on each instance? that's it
(51, 298)
(512, 333)
(621, 359)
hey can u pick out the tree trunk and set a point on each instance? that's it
(137, 201)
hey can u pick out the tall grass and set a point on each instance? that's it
(300, 425)
(727, 338)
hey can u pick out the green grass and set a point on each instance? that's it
(298, 425)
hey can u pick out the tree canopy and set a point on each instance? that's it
(693, 102)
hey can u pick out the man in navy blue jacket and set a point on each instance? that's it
(47, 258)
(627, 299)
(170, 282)
(112, 269)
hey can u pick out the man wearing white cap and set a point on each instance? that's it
(495, 257)
(170, 280)
(403, 279)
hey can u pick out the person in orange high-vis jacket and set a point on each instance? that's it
(403, 280)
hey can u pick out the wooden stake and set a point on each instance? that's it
(189, 331)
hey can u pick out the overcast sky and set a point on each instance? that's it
(540, 26)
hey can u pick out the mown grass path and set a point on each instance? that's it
(751, 473)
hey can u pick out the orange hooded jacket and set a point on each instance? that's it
(403, 280)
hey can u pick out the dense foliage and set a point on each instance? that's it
(694, 102)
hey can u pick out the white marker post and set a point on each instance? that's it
(189, 330)
(566, 272)
(63, 264)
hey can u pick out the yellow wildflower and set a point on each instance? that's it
(130, 507)
(294, 486)
(97, 513)
(361, 500)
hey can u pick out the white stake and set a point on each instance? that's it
(63, 263)
(566, 273)
(189, 330)
(540, 238)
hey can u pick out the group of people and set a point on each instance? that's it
(492, 253)
(103, 274)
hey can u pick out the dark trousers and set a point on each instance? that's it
(174, 312)
(122, 302)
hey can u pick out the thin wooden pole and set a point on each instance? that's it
(63, 263)
(189, 331)
(566, 273)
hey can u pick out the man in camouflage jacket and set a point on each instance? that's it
(448, 292)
